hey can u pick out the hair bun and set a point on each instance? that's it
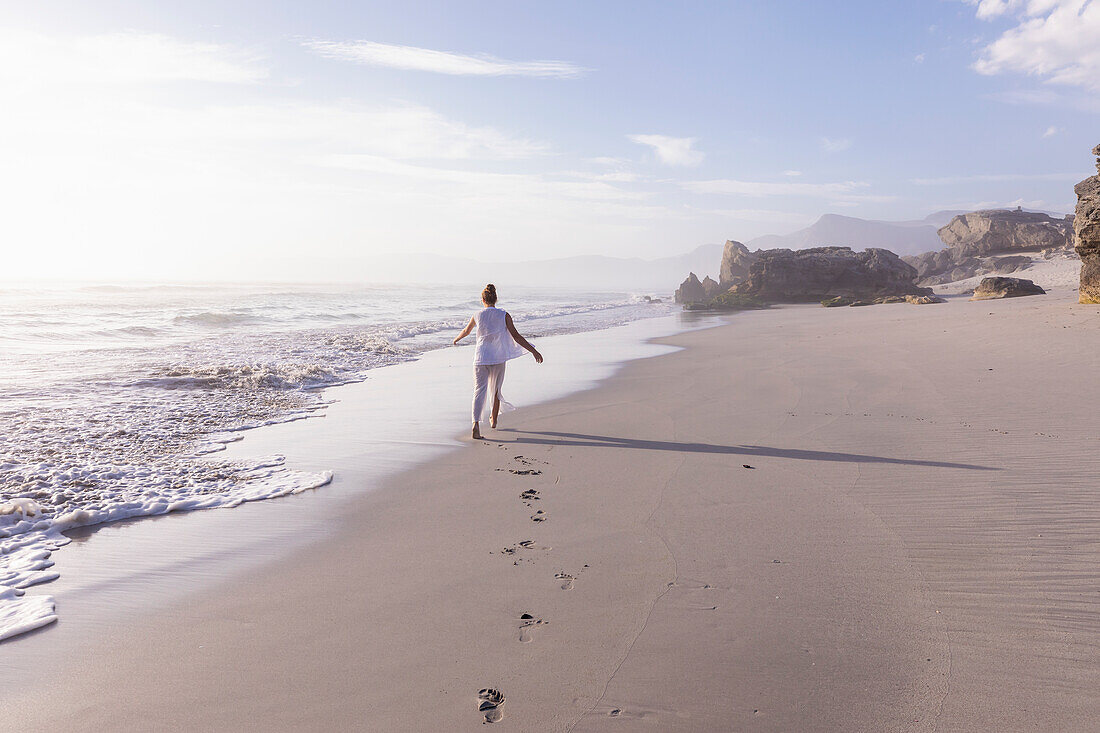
(492, 287)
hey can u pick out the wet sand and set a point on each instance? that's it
(818, 519)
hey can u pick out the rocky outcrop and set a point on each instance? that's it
(1008, 263)
(736, 259)
(691, 291)
(983, 233)
(1086, 233)
(991, 288)
(975, 240)
(710, 287)
(822, 273)
(730, 302)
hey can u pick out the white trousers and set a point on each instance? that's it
(488, 379)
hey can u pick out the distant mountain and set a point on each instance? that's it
(939, 218)
(900, 237)
(633, 274)
(587, 272)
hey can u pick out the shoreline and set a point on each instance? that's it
(805, 519)
(113, 571)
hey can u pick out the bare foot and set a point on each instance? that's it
(493, 423)
(475, 433)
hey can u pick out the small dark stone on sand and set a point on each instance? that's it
(526, 617)
(745, 465)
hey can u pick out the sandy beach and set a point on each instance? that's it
(807, 519)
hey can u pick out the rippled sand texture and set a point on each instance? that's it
(810, 519)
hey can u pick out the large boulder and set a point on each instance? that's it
(975, 239)
(1005, 287)
(822, 273)
(1086, 233)
(691, 291)
(983, 233)
(736, 259)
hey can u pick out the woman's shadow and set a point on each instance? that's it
(582, 440)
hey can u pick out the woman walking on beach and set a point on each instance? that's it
(497, 342)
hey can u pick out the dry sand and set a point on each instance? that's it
(1059, 273)
(915, 547)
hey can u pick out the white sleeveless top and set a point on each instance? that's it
(494, 344)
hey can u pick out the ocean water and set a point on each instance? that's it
(115, 400)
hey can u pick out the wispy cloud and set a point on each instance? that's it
(412, 58)
(835, 145)
(120, 58)
(1051, 131)
(919, 58)
(1055, 40)
(792, 174)
(836, 191)
(607, 160)
(613, 177)
(1068, 99)
(246, 176)
(1027, 96)
(678, 151)
(988, 9)
(996, 178)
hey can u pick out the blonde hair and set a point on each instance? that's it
(489, 294)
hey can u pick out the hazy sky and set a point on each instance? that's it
(178, 140)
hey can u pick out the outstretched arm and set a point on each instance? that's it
(520, 340)
(465, 332)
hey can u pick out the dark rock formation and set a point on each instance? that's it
(1005, 287)
(1086, 233)
(691, 291)
(974, 239)
(731, 302)
(736, 259)
(821, 273)
(710, 287)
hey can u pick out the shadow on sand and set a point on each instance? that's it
(580, 440)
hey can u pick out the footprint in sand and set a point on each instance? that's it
(529, 496)
(519, 547)
(525, 471)
(539, 516)
(490, 702)
(629, 714)
(527, 622)
(566, 580)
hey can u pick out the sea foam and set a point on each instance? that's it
(115, 400)
(29, 533)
